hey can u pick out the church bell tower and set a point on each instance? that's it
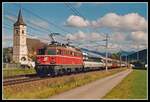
(20, 51)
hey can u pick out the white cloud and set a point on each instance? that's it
(126, 30)
(118, 36)
(76, 21)
(117, 40)
(109, 20)
(128, 22)
(93, 36)
(77, 36)
(86, 40)
(138, 36)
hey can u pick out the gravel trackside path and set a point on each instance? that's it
(94, 90)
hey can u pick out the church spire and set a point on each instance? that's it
(20, 19)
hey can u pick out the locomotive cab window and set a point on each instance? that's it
(51, 52)
(41, 51)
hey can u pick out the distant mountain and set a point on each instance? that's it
(124, 53)
(141, 55)
(92, 51)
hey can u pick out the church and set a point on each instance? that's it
(20, 51)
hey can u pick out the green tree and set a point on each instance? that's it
(7, 55)
(115, 56)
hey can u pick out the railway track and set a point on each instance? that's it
(28, 78)
(19, 79)
(22, 75)
(13, 81)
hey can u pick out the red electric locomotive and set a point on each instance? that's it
(58, 59)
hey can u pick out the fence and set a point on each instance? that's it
(10, 65)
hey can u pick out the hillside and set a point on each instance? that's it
(142, 56)
(33, 44)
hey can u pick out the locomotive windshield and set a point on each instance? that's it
(51, 52)
(44, 51)
(41, 51)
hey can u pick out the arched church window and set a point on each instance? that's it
(17, 32)
(22, 31)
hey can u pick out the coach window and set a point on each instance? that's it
(68, 52)
(72, 53)
(75, 54)
(64, 52)
(61, 52)
(78, 54)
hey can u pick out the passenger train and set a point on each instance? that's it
(58, 59)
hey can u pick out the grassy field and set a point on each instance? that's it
(134, 86)
(48, 87)
(7, 72)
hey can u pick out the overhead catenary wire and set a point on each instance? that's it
(76, 12)
(53, 24)
(43, 19)
(28, 33)
(49, 21)
(29, 23)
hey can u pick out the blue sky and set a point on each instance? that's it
(58, 13)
